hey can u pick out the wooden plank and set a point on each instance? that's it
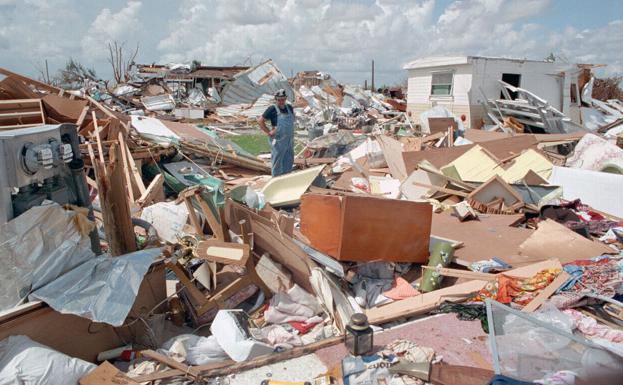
(215, 225)
(114, 129)
(426, 302)
(283, 250)
(228, 367)
(171, 363)
(553, 240)
(193, 217)
(124, 165)
(106, 374)
(101, 107)
(490, 236)
(448, 272)
(547, 292)
(82, 116)
(224, 227)
(152, 191)
(433, 137)
(441, 125)
(19, 114)
(91, 182)
(423, 303)
(115, 206)
(138, 180)
(96, 130)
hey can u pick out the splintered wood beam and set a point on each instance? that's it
(152, 192)
(96, 130)
(126, 170)
(115, 206)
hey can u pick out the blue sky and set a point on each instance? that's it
(340, 37)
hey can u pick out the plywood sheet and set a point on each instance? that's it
(490, 236)
(63, 109)
(553, 240)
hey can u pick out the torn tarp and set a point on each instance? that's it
(102, 289)
(37, 247)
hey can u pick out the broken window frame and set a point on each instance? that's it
(450, 85)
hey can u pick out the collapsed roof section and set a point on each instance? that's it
(250, 85)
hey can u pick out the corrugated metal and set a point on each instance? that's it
(250, 85)
(159, 102)
(249, 110)
(231, 110)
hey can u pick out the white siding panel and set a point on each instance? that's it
(419, 85)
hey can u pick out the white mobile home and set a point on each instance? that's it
(463, 83)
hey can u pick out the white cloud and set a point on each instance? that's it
(338, 36)
(108, 27)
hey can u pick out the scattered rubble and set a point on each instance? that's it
(136, 235)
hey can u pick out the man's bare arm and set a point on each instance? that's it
(263, 127)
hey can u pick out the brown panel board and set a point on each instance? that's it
(320, 221)
(441, 124)
(490, 236)
(370, 228)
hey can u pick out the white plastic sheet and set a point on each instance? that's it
(26, 362)
(36, 248)
(194, 349)
(102, 289)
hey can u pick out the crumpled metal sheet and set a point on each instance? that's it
(103, 289)
(250, 85)
(36, 248)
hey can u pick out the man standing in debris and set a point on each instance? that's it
(281, 116)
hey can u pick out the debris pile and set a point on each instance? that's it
(161, 250)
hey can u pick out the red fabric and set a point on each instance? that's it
(302, 327)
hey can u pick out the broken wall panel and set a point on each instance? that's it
(357, 228)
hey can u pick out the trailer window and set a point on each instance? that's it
(441, 84)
